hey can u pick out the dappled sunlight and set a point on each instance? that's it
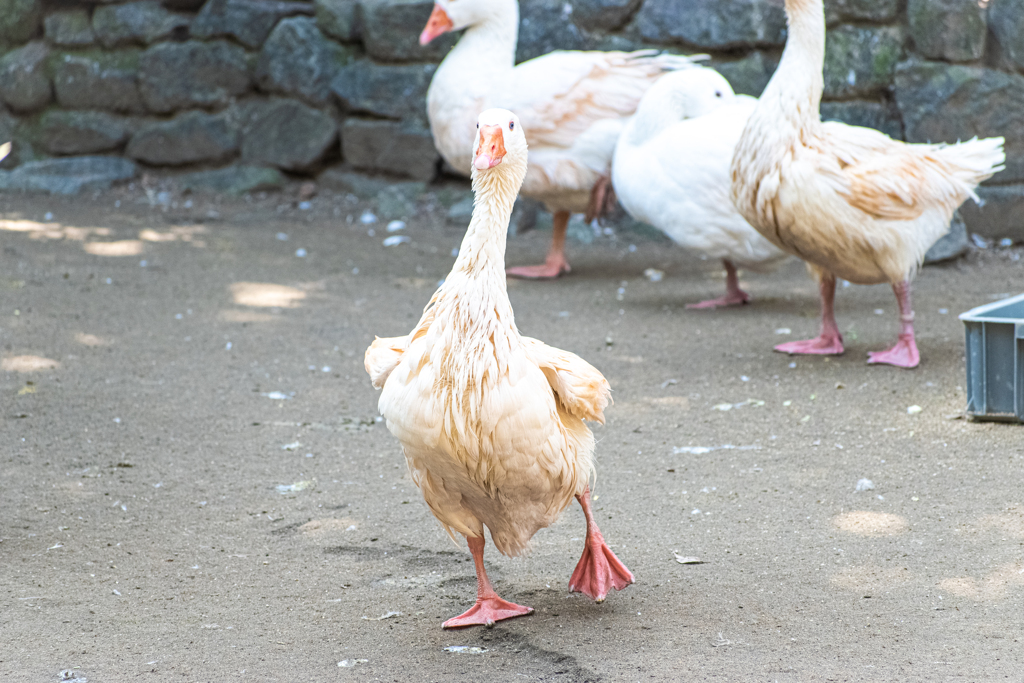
(230, 315)
(52, 231)
(327, 531)
(179, 233)
(864, 523)
(28, 364)
(870, 579)
(1009, 523)
(266, 295)
(118, 248)
(91, 340)
(994, 586)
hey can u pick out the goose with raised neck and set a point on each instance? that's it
(850, 201)
(574, 102)
(492, 422)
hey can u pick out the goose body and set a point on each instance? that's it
(492, 422)
(850, 201)
(573, 105)
(671, 170)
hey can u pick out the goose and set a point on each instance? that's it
(850, 201)
(573, 103)
(671, 170)
(492, 422)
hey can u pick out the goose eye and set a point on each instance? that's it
(718, 93)
(511, 125)
(478, 126)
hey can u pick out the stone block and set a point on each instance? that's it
(238, 179)
(392, 91)
(861, 60)
(192, 74)
(247, 21)
(343, 179)
(1000, 215)
(142, 22)
(603, 15)
(19, 20)
(546, 25)
(877, 11)
(952, 30)
(192, 137)
(391, 30)
(24, 85)
(389, 147)
(299, 60)
(340, 19)
(79, 132)
(1006, 22)
(713, 24)
(68, 175)
(69, 28)
(948, 102)
(877, 115)
(98, 80)
(747, 76)
(287, 134)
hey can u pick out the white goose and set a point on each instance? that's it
(491, 422)
(850, 201)
(671, 170)
(573, 105)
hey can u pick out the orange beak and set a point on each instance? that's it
(437, 24)
(491, 150)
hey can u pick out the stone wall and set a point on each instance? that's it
(235, 94)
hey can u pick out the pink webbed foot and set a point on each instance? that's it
(598, 571)
(903, 355)
(486, 611)
(552, 268)
(737, 298)
(824, 345)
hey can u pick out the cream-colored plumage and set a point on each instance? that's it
(491, 422)
(488, 439)
(671, 170)
(573, 104)
(850, 201)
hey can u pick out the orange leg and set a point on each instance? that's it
(598, 570)
(904, 354)
(829, 342)
(734, 296)
(488, 608)
(555, 264)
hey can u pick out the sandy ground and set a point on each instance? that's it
(195, 487)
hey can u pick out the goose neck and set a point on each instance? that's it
(487, 46)
(483, 248)
(797, 84)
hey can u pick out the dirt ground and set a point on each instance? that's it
(194, 485)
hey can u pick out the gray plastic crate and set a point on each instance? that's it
(995, 360)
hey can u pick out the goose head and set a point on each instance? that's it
(676, 96)
(455, 15)
(499, 149)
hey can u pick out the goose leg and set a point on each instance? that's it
(488, 608)
(734, 296)
(555, 264)
(829, 342)
(904, 354)
(598, 570)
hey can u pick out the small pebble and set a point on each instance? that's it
(395, 226)
(865, 485)
(301, 253)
